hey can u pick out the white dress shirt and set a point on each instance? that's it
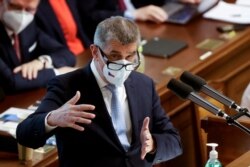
(130, 8)
(107, 95)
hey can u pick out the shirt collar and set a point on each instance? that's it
(9, 32)
(101, 83)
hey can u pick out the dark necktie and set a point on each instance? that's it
(117, 116)
(122, 5)
(16, 46)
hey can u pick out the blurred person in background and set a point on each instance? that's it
(60, 20)
(28, 57)
(94, 11)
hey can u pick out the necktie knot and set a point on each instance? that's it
(111, 88)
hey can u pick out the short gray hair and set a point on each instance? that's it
(116, 28)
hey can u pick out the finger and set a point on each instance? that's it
(83, 120)
(145, 124)
(83, 115)
(74, 99)
(77, 127)
(30, 71)
(143, 153)
(24, 71)
(17, 69)
(161, 14)
(35, 73)
(158, 15)
(83, 107)
(76, 120)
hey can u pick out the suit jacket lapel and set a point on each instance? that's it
(102, 123)
(133, 108)
(10, 55)
(27, 38)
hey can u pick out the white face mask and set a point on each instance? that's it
(17, 20)
(116, 77)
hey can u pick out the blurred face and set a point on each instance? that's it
(115, 62)
(18, 14)
(27, 5)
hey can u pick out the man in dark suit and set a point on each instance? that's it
(80, 108)
(60, 19)
(28, 57)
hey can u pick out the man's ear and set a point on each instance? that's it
(94, 50)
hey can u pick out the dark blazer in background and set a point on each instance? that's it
(33, 43)
(47, 20)
(98, 145)
(94, 11)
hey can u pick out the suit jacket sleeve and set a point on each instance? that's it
(31, 132)
(41, 44)
(15, 82)
(166, 136)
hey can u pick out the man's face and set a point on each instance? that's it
(27, 5)
(116, 51)
(113, 52)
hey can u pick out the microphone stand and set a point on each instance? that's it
(232, 120)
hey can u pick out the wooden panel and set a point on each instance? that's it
(232, 141)
(242, 161)
(184, 120)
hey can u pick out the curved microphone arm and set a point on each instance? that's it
(184, 91)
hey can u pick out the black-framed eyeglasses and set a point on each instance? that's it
(116, 66)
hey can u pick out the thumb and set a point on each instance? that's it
(74, 99)
(145, 123)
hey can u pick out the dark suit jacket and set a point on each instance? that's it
(94, 11)
(98, 145)
(33, 43)
(48, 22)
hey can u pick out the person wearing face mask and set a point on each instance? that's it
(105, 114)
(28, 57)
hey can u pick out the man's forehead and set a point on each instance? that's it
(24, 2)
(115, 44)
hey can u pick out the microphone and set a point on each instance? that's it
(199, 84)
(184, 91)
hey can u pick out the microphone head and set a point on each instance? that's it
(194, 81)
(179, 88)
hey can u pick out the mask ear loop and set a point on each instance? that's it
(103, 57)
(138, 59)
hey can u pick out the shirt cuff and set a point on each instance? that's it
(56, 72)
(48, 128)
(129, 14)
